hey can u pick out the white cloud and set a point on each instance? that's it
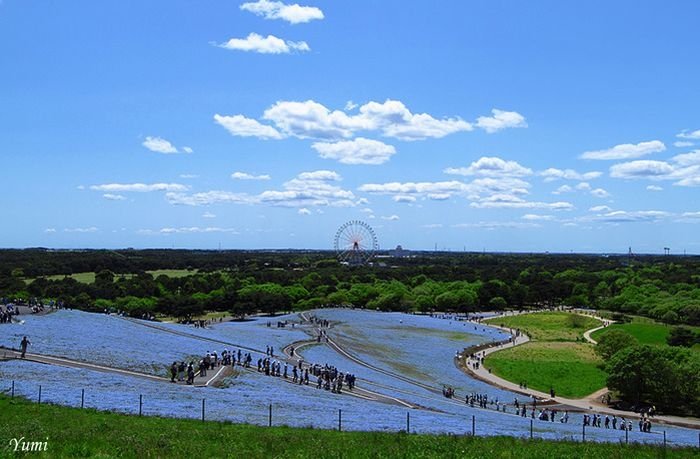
(622, 216)
(208, 215)
(247, 176)
(583, 186)
(491, 167)
(325, 175)
(641, 169)
(294, 14)
(552, 174)
(682, 144)
(654, 188)
(563, 189)
(187, 149)
(159, 145)
(626, 151)
(189, 176)
(356, 151)
(188, 230)
(433, 225)
(438, 196)
(138, 187)
(501, 120)
(498, 225)
(350, 105)
(692, 135)
(208, 197)
(391, 217)
(600, 209)
(91, 229)
(536, 217)
(265, 45)
(50, 230)
(414, 187)
(688, 159)
(404, 198)
(507, 201)
(600, 193)
(241, 126)
(113, 197)
(304, 211)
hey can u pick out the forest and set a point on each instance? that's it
(665, 288)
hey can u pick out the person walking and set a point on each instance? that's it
(23, 345)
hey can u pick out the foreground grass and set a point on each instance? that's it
(73, 432)
(549, 326)
(570, 368)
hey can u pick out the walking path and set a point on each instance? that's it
(591, 402)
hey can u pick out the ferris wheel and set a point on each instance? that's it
(355, 243)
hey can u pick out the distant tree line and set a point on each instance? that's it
(664, 288)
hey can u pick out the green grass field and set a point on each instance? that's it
(89, 277)
(71, 432)
(548, 326)
(554, 358)
(645, 330)
(570, 368)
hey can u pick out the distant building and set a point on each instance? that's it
(399, 252)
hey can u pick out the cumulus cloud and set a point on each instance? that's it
(683, 144)
(688, 159)
(247, 176)
(113, 197)
(91, 229)
(304, 211)
(491, 167)
(159, 145)
(356, 151)
(600, 209)
(138, 187)
(552, 174)
(641, 169)
(265, 45)
(404, 198)
(563, 189)
(654, 188)
(501, 120)
(537, 217)
(600, 193)
(622, 216)
(692, 135)
(391, 217)
(239, 125)
(308, 189)
(626, 151)
(294, 14)
(188, 230)
(509, 201)
(187, 149)
(329, 176)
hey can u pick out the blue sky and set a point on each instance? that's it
(477, 125)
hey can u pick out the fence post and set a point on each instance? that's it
(530, 429)
(39, 393)
(664, 439)
(473, 425)
(13, 389)
(140, 404)
(269, 419)
(584, 432)
(204, 401)
(408, 422)
(627, 435)
(340, 420)
(82, 398)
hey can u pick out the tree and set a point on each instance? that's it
(641, 374)
(682, 336)
(613, 341)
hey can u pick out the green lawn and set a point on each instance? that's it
(645, 330)
(72, 432)
(570, 368)
(554, 357)
(89, 277)
(549, 326)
